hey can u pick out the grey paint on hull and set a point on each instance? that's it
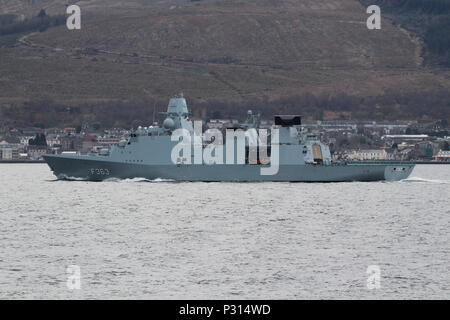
(94, 169)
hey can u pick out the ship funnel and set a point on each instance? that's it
(288, 121)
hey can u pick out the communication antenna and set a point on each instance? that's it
(154, 112)
(148, 94)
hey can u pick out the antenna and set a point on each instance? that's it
(148, 94)
(154, 111)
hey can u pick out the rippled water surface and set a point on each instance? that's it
(155, 240)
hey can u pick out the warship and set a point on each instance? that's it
(291, 155)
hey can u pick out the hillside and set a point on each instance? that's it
(230, 50)
(428, 19)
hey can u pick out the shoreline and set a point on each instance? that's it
(43, 161)
(21, 161)
(431, 162)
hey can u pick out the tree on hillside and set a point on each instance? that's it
(445, 146)
(39, 140)
(42, 14)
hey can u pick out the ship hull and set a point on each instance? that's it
(73, 167)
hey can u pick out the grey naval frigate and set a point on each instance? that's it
(149, 153)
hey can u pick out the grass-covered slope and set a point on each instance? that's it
(429, 19)
(221, 50)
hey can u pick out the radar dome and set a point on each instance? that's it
(169, 124)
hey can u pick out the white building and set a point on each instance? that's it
(36, 152)
(9, 151)
(6, 153)
(53, 140)
(24, 140)
(442, 156)
(405, 137)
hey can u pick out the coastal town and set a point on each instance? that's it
(348, 140)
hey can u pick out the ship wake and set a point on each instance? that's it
(63, 177)
(133, 180)
(422, 180)
(127, 180)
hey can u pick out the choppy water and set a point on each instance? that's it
(135, 239)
